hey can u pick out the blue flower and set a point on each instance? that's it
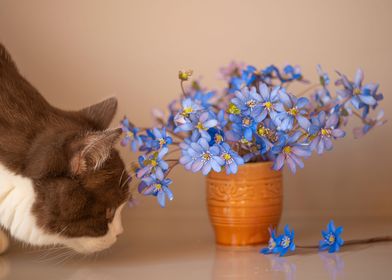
(331, 238)
(294, 72)
(290, 73)
(222, 119)
(360, 95)
(200, 156)
(290, 151)
(153, 164)
(248, 100)
(324, 129)
(246, 78)
(162, 140)
(272, 244)
(185, 146)
(203, 98)
(322, 95)
(285, 242)
(265, 135)
(189, 108)
(149, 141)
(202, 123)
(131, 135)
(217, 136)
(206, 121)
(231, 158)
(324, 78)
(157, 186)
(243, 125)
(370, 123)
(270, 100)
(294, 111)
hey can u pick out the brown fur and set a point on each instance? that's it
(68, 155)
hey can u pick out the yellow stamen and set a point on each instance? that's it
(325, 132)
(246, 121)
(331, 239)
(251, 103)
(287, 150)
(162, 141)
(286, 242)
(227, 157)
(262, 131)
(206, 156)
(218, 138)
(244, 141)
(268, 105)
(200, 126)
(293, 111)
(187, 111)
(271, 244)
(311, 137)
(158, 187)
(357, 91)
(233, 109)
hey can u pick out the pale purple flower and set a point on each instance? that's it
(200, 156)
(322, 130)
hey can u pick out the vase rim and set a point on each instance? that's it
(268, 162)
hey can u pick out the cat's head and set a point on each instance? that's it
(79, 180)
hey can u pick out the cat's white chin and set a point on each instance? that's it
(16, 199)
(88, 245)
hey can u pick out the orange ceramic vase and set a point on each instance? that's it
(243, 206)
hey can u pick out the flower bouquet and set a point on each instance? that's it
(255, 118)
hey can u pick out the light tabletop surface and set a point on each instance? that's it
(184, 249)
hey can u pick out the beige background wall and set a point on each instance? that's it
(79, 52)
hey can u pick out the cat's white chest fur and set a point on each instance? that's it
(17, 197)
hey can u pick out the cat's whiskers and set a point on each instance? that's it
(59, 255)
(45, 248)
(57, 258)
(51, 254)
(67, 256)
(126, 181)
(122, 174)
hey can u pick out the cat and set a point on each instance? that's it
(61, 180)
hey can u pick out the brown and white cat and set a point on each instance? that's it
(61, 181)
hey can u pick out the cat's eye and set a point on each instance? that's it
(110, 213)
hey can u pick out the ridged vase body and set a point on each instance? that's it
(244, 205)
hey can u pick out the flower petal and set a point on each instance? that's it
(215, 166)
(302, 102)
(161, 198)
(367, 99)
(264, 91)
(332, 121)
(302, 152)
(169, 193)
(279, 161)
(358, 77)
(291, 164)
(206, 168)
(197, 165)
(303, 122)
(204, 144)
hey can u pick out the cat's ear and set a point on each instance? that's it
(5, 58)
(101, 114)
(95, 149)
